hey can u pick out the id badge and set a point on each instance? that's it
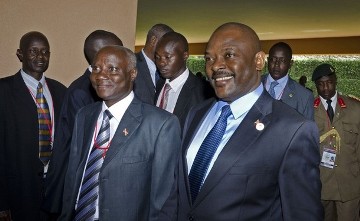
(328, 158)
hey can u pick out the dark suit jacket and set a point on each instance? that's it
(138, 170)
(144, 88)
(297, 97)
(21, 171)
(269, 174)
(194, 91)
(79, 94)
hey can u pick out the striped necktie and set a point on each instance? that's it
(206, 152)
(89, 191)
(45, 126)
(165, 96)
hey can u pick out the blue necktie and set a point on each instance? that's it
(45, 126)
(206, 152)
(86, 206)
(271, 89)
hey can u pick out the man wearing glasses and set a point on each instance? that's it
(281, 86)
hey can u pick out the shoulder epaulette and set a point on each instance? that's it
(316, 102)
(341, 102)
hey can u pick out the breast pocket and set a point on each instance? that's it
(351, 133)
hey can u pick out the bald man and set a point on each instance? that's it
(179, 89)
(238, 162)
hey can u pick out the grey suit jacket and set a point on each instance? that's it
(297, 97)
(137, 173)
(144, 88)
(270, 174)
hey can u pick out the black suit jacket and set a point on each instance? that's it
(21, 171)
(194, 91)
(270, 174)
(138, 170)
(144, 87)
(79, 94)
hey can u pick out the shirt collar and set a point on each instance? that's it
(118, 109)
(177, 83)
(149, 62)
(333, 100)
(243, 104)
(32, 82)
(282, 81)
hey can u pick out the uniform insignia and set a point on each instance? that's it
(341, 102)
(317, 102)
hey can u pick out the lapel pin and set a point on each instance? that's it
(259, 126)
(125, 132)
(291, 95)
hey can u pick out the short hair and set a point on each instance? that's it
(282, 45)
(158, 31)
(96, 35)
(177, 38)
(30, 36)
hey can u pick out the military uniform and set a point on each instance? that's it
(342, 182)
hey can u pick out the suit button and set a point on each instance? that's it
(191, 218)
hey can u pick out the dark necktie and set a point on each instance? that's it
(206, 152)
(45, 126)
(272, 90)
(89, 191)
(165, 96)
(330, 110)
(157, 76)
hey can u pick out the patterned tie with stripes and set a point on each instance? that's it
(45, 126)
(165, 96)
(206, 152)
(86, 206)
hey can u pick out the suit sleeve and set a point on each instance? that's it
(299, 176)
(3, 175)
(309, 108)
(165, 158)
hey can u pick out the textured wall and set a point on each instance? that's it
(66, 24)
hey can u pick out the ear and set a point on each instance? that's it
(153, 41)
(19, 54)
(186, 55)
(133, 74)
(291, 63)
(260, 60)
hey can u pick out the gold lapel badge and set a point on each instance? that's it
(125, 132)
(258, 125)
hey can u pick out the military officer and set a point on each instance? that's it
(338, 120)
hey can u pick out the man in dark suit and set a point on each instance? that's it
(180, 89)
(281, 86)
(238, 162)
(79, 94)
(134, 150)
(22, 163)
(145, 82)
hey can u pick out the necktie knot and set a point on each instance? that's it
(328, 101)
(271, 89)
(225, 112)
(107, 114)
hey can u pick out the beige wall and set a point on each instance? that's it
(66, 23)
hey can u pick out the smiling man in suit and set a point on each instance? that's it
(238, 162)
(180, 89)
(123, 151)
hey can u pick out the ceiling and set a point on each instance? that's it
(271, 19)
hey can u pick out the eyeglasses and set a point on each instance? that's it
(275, 59)
(34, 52)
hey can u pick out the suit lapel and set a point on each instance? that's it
(23, 94)
(288, 95)
(243, 137)
(126, 129)
(185, 93)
